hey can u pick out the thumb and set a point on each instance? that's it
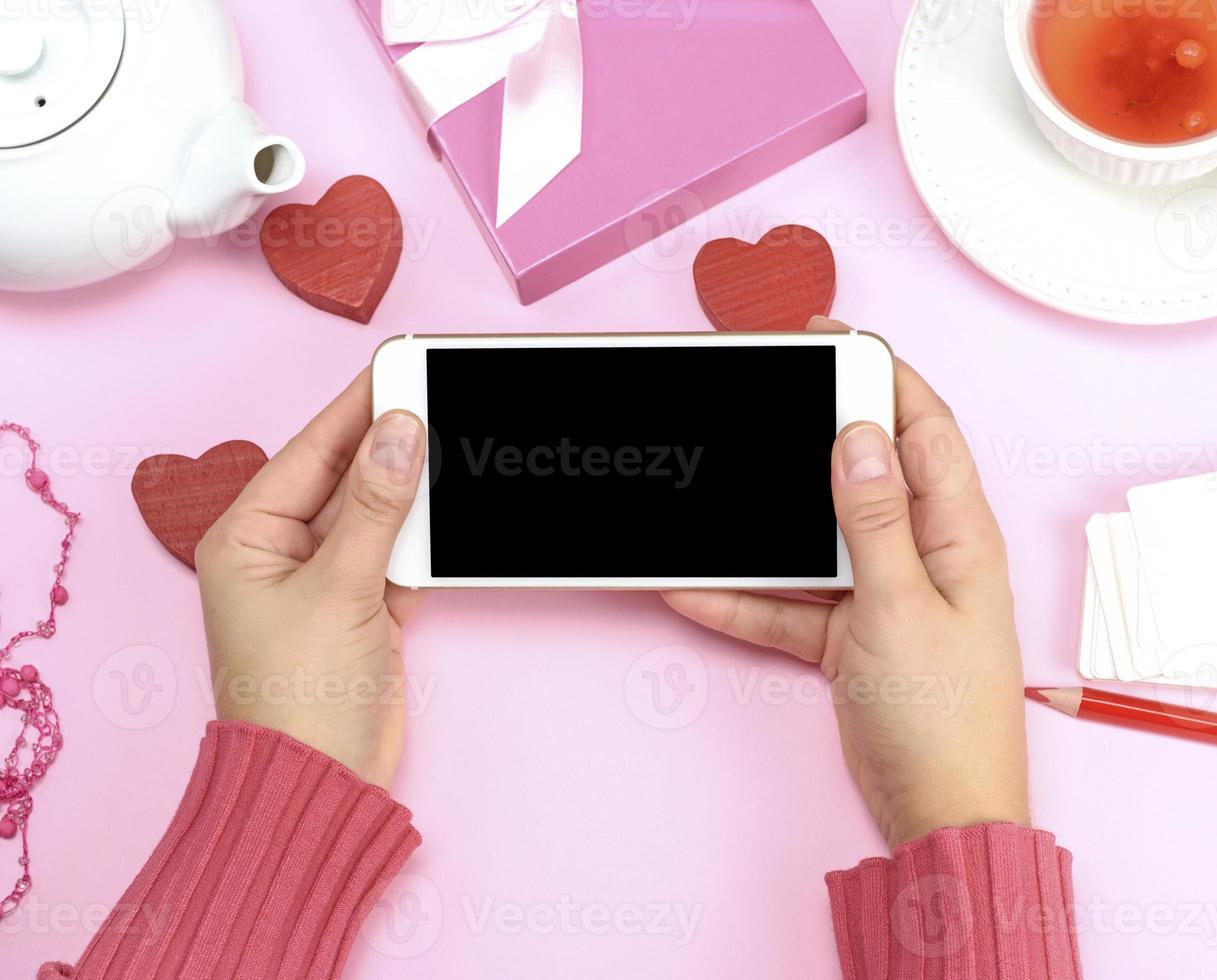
(872, 505)
(380, 489)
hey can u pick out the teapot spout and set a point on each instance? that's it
(231, 167)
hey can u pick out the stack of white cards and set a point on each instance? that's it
(1150, 610)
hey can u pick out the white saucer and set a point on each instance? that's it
(1023, 213)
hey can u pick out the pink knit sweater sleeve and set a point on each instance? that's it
(276, 855)
(992, 902)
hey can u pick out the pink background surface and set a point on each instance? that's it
(534, 763)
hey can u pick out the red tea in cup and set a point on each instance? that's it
(1144, 71)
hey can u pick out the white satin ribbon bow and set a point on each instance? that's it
(470, 45)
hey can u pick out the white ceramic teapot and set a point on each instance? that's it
(122, 127)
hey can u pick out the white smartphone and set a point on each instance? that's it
(630, 461)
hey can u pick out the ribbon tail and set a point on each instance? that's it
(542, 111)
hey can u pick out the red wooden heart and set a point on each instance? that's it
(779, 283)
(180, 498)
(340, 253)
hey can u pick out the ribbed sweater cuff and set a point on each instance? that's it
(991, 902)
(276, 855)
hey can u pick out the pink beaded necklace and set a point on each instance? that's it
(39, 740)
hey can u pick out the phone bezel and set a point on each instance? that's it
(865, 391)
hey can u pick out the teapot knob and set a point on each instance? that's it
(20, 48)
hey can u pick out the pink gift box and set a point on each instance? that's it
(685, 103)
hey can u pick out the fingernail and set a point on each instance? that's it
(865, 454)
(396, 443)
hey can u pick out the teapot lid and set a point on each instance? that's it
(57, 58)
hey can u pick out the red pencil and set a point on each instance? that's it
(1130, 712)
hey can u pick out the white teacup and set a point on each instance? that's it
(1139, 164)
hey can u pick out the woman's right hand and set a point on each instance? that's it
(305, 634)
(922, 655)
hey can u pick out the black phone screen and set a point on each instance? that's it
(655, 462)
